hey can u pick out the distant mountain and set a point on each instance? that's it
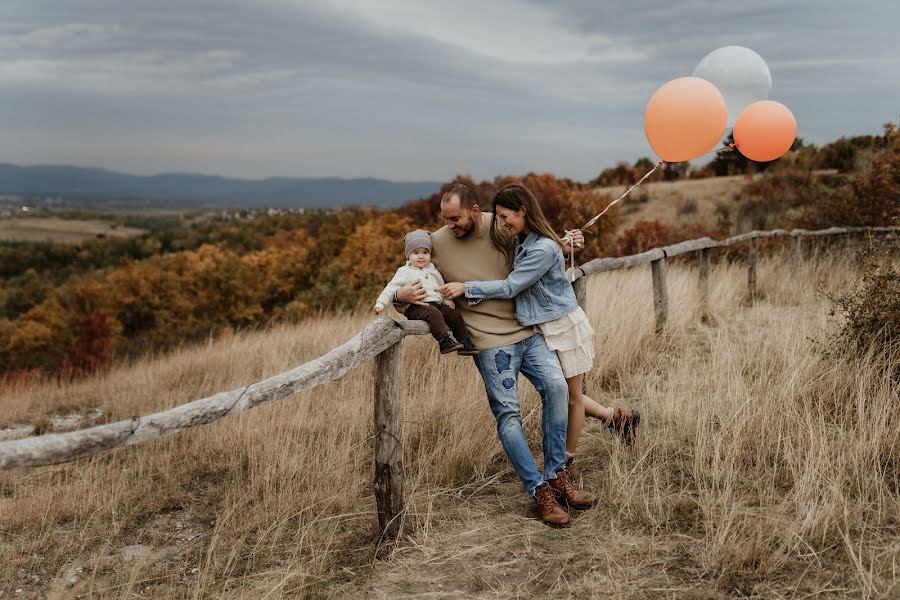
(100, 186)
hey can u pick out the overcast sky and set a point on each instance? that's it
(408, 90)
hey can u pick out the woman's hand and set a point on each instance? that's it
(452, 290)
(577, 241)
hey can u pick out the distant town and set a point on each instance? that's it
(16, 205)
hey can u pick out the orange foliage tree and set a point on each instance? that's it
(871, 198)
(41, 337)
(155, 304)
(599, 240)
(93, 349)
(373, 253)
(283, 267)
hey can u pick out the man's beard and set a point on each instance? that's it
(467, 231)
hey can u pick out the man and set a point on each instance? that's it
(462, 251)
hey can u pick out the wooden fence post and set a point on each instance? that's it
(751, 267)
(579, 286)
(704, 282)
(796, 253)
(388, 441)
(660, 296)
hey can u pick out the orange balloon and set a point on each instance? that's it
(685, 119)
(764, 130)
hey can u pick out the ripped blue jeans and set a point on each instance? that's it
(500, 369)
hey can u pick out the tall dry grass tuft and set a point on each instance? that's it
(764, 468)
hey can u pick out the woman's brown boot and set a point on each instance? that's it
(574, 497)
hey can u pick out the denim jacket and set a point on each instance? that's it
(537, 282)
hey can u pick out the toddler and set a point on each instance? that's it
(437, 312)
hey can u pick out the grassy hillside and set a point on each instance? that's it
(673, 202)
(51, 229)
(764, 468)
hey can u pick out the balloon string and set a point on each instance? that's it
(568, 236)
(639, 182)
(622, 197)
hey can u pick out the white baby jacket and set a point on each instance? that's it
(429, 276)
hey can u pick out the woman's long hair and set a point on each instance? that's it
(516, 196)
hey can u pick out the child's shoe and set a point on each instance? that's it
(625, 422)
(468, 348)
(448, 344)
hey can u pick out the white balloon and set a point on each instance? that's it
(740, 74)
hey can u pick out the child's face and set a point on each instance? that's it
(420, 257)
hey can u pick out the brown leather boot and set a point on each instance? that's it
(563, 487)
(625, 422)
(552, 513)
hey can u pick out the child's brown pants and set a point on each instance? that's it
(438, 316)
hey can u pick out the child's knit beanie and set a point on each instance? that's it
(417, 239)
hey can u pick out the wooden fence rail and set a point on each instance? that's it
(380, 340)
(657, 259)
(51, 448)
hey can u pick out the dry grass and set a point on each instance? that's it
(666, 200)
(53, 229)
(763, 469)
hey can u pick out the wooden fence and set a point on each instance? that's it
(382, 340)
(657, 259)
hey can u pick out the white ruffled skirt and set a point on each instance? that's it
(571, 337)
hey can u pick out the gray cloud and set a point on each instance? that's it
(406, 90)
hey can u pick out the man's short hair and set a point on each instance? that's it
(467, 194)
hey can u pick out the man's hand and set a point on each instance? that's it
(412, 293)
(577, 238)
(452, 290)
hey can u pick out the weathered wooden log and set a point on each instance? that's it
(660, 293)
(600, 265)
(689, 246)
(737, 239)
(829, 231)
(60, 447)
(388, 441)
